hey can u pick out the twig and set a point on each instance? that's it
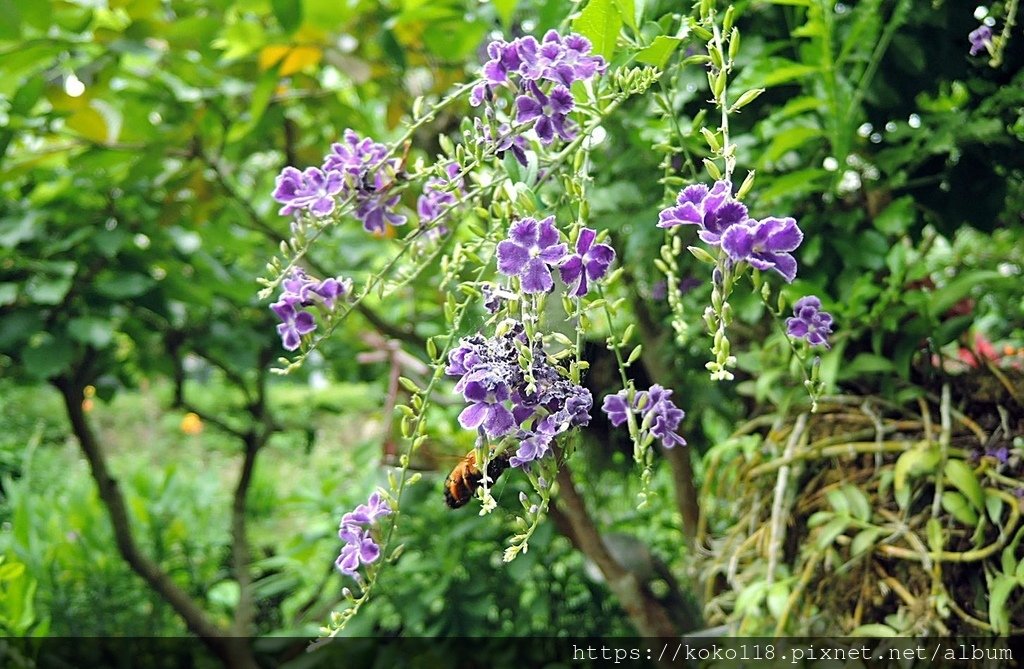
(777, 531)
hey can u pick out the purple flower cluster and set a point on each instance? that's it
(360, 548)
(356, 168)
(540, 74)
(437, 197)
(980, 38)
(298, 293)
(661, 417)
(809, 322)
(532, 405)
(722, 221)
(533, 248)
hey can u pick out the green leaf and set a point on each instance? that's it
(838, 501)
(936, 537)
(963, 477)
(994, 507)
(506, 9)
(873, 629)
(831, 531)
(866, 363)
(860, 507)
(999, 594)
(658, 52)
(8, 293)
(787, 140)
(261, 96)
(914, 462)
(288, 14)
(778, 597)
(957, 506)
(47, 356)
(865, 539)
(96, 332)
(600, 22)
(121, 285)
(897, 217)
(43, 289)
(627, 10)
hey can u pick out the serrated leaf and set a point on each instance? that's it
(966, 481)
(600, 22)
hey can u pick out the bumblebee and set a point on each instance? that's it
(461, 484)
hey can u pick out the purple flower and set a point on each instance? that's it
(528, 252)
(558, 59)
(536, 444)
(661, 417)
(298, 292)
(765, 244)
(486, 410)
(711, 210)
(312, 190)
(616, 407)
(368, 175)
(358, 157)
(809, 322)
(589, 263)
(376, 507)
(980, 38)
(360, 548)
(549, 112)
(504, 60)
(296, 323)
(437, 196)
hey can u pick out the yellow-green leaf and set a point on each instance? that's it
(963, 477)
(600, 22)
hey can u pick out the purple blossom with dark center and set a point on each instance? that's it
(368, 175)
(710, 209)
(360, 547)
(300, 291)
(295, 322)
(528, 253)
(765, 244)
(312, 190)
(358, 157)
(661, 417)
(981, 38)
(486, 410)
(589, 263)
(549, 112)
(558, 59)
(809, 322)
(536, 444)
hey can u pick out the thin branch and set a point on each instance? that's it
(646, 613)
(195, 618)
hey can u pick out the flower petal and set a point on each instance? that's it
(537, 277)
(512, 258)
